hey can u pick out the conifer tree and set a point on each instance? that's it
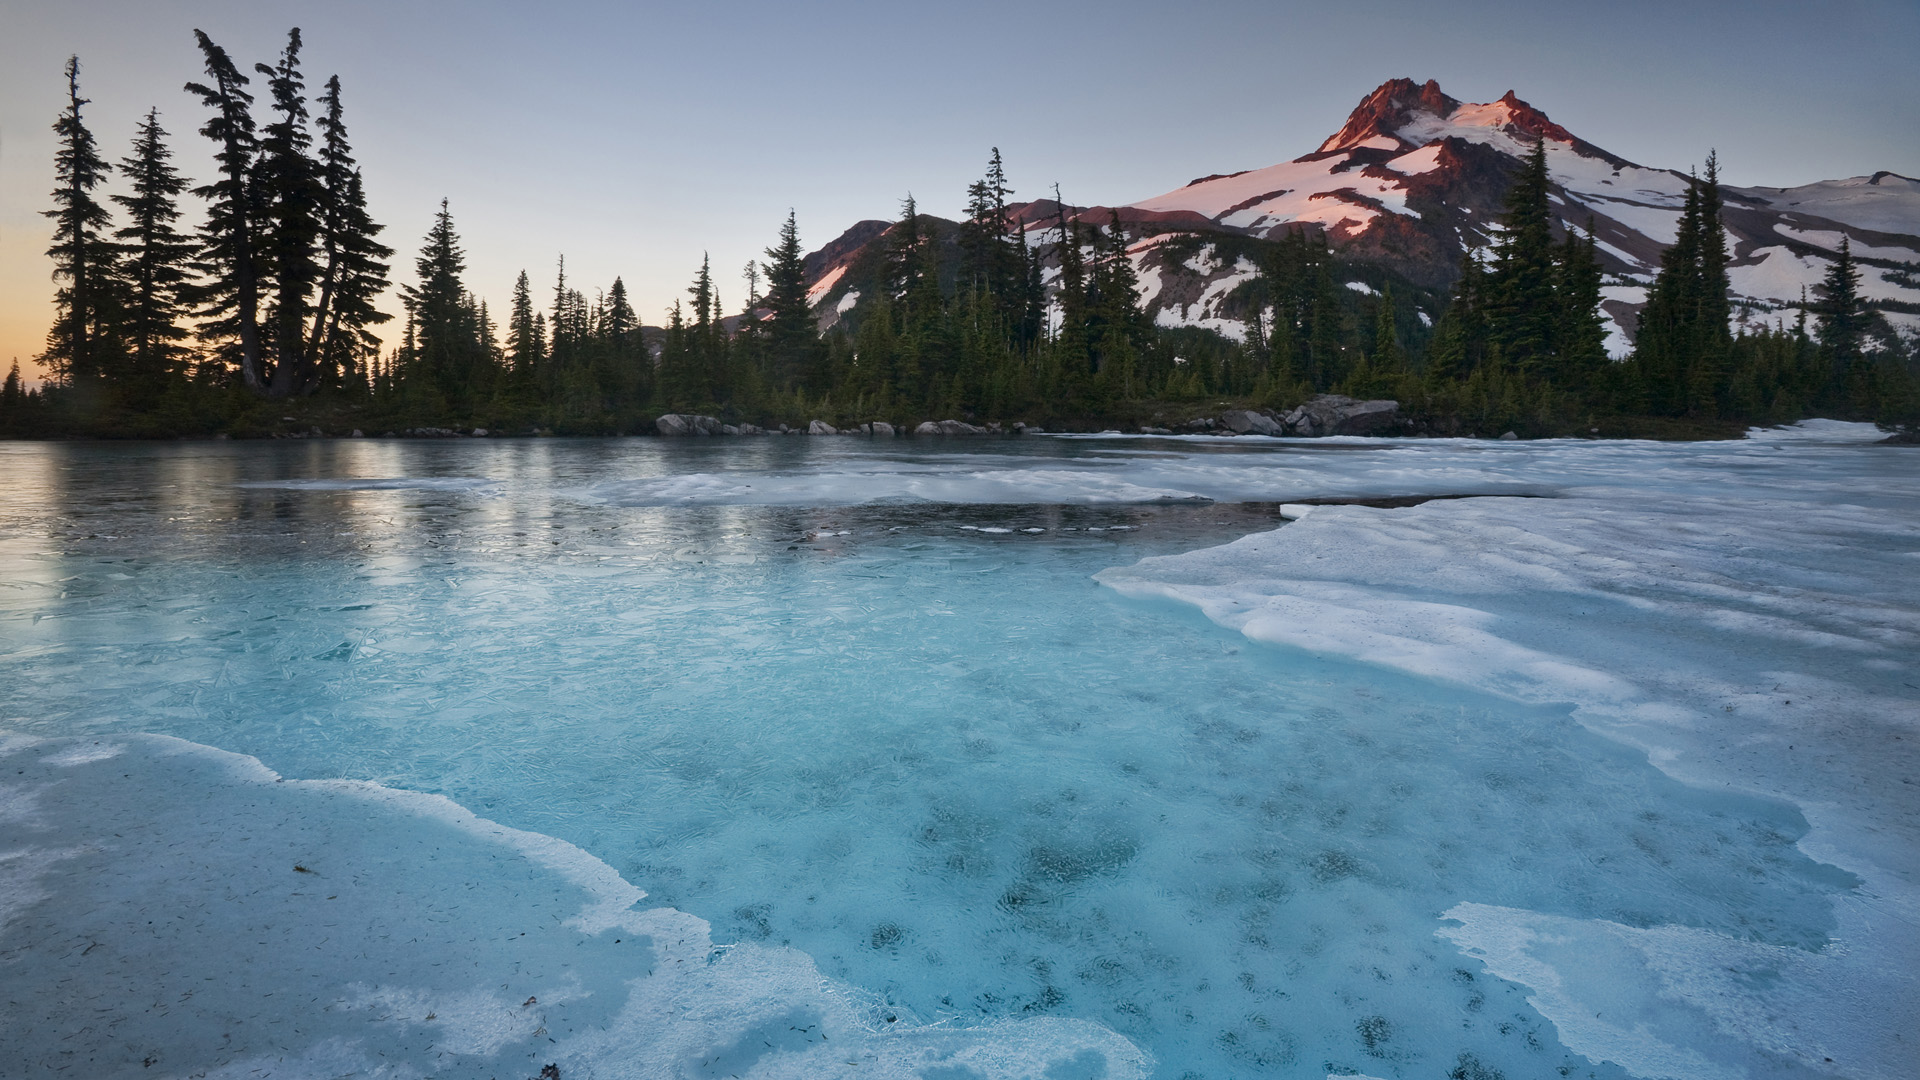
(1121, 324)
(1389, 358)
(78, 347)
(229, 296)
(1520, 300)
(290, 196)
(155, 259)
(1842, 315)
(1663, 349)
(447, 357)
(1581, 349)
(1070, 341)
(523, 348)
(359, 277)
(792, 340)
(353, 261)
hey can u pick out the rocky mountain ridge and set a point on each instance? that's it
(1415, 177)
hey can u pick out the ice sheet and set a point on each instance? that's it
(184, 911)
(912, 744)
(1752, 638)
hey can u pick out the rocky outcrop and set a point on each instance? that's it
(879, 429)
(821, 427)
(1248, 422)
(948, 427)
(677, 424)
(1335, 414)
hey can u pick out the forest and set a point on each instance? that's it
(261, 320)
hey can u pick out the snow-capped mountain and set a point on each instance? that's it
(1416, 176)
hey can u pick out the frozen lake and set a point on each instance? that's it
(1051, 757)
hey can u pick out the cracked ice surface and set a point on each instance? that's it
(1755, 636)
(860, 723)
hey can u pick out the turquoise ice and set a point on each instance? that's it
(892, 765)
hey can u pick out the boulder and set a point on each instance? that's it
(1248, 422)
(879, 429)
(685, 424)
(1204, 423)
(1509, 437)
(1155, 431)
(752, 429)
(821, 427)
(948, 427)
(1336, 414)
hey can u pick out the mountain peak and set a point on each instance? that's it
(1409, 114)
(1385, 111)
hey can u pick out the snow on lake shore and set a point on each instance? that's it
(1761, 639)
(174, 910)
(1010, 790)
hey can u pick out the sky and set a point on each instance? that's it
(635, 138)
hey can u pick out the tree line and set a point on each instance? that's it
(268, 307)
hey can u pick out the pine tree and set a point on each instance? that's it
(290, 197)
(229, 297)
(155, 260)
(78, 348)
(1520, 302)
(446, 358)
(1664, 347)
(1121, 326)
(793, 341)
(1389, 357)
(1711, 338)
(359, 277)
(1843, 318)
(1581, 349)
(353, 262)
(523, 348)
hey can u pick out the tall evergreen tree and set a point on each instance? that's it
(229, 296)
(1843, 317)
(1664, 346)
(156, 259)
(1581, 329)
(447, 357)
(358, 276)
(78, 348)
(523, 347)
(291, 195)
(792, 340)
(1520, 301)
(1120, 325)
(351, 259)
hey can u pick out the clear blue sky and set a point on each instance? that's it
(633, 137)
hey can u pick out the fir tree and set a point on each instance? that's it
(156, 260)
(792, 340)
(446, 356)
(1581, 349)
(1389, 358)
(290, 196)
(1843, 318)
(523, 347)
(358, 277)
(1663, 349)
(1520, 301)
(77, 346)
(229, 299)
(353, 263)
(1121, 326)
